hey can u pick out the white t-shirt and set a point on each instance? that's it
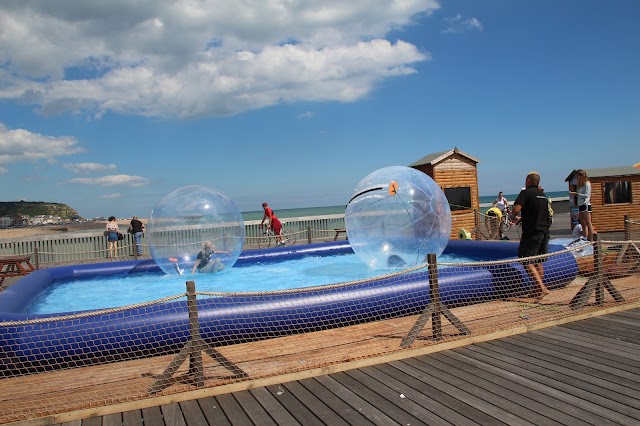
(584, 194)
(501, 204)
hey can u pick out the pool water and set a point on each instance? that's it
(122, 290)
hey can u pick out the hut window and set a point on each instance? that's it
(617, 192)
(459, 198)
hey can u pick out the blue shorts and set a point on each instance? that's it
(534, 245)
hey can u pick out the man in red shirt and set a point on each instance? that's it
(274, 223)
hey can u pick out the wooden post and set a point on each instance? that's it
(433, 310)
(476, 223)
(598, 283)
(627, 228)
(36, 257)
(434, 296)
(309, 234)
(193, 349)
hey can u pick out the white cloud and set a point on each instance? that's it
(459, 24)
(308, 115)
(206, 58)
(21, 145)
(88, 167)
(110, 196)
(113, 180)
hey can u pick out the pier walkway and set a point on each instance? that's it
(582, 372)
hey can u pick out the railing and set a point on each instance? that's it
(92, 245)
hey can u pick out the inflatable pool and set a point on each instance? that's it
(164, 328)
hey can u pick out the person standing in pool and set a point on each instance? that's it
(274, 223)
(533, 206)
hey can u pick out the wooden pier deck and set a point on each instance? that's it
(584, 372)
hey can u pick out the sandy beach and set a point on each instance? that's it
(34, 231)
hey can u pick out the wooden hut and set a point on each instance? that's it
(615, 192)
(457, 174)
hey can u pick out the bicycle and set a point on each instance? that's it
(505, 223)
(269, 237)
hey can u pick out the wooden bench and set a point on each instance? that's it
(338, 232)
(14, 266)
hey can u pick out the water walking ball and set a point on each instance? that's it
(396, 216)
(193, 220)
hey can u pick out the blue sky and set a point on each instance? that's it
(109, 106)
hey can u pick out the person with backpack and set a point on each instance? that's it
(533, 206)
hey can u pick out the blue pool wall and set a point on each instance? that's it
(225, 320)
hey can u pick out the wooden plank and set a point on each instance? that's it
(192, 413)
(405, 397)
(581, 384)
(344, 410)
(112, 419)
(271, 405)
(603, 346)
(540, 344)
(515, 403)
(301, 413)
(500, 410)
(232, 409)
(152, 416)
(172, 414)
(355, 400)
(591, 374)
(391, 403)
(564, 392)
(253, 409)
(559, 361)
(617, 328)
(314, 404)
(213, 412)
(92, 421)
(603, 332)
(131, 418)
(516, 392)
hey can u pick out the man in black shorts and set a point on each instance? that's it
(532, 204)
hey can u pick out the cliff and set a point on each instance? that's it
(36, 208)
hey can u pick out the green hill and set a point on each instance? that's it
(36, 208)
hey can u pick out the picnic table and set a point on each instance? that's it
(13, 266)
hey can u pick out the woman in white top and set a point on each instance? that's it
(502, 204)
(584, 203)
(112, 236)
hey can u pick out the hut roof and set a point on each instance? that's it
(437, 157)
(607, 172)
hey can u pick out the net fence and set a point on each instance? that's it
(52, 364)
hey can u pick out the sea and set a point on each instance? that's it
(327, 210)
